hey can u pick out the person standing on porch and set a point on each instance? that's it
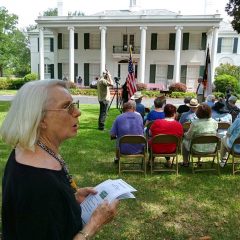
(103, 97)
(200, 90)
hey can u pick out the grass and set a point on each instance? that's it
(8, 92)
(188, 206)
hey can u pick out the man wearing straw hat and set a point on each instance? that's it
(190, 115)
(140, 108)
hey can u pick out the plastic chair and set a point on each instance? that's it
(133, 139)
(165, 138)
(204, 139)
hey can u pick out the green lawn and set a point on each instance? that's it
(166, 206)
(8, 92)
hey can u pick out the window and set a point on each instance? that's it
(131, 41)
(126, 44)
(227, 45)
(194, 41)
(95, 41)
(163, 40)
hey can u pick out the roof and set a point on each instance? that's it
(128, 12)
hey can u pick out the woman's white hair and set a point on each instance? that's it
(21, 125)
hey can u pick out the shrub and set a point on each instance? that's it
(182, 94)
(4, 84)
(30, 77)
(223, 81)
(150, 93)
(16, 84)
(78, 91)
(178, 87)
(218, 94)
(141, 86)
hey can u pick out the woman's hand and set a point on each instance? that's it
(103, 214)
(82, 193)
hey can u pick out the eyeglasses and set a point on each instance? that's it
(69, 109)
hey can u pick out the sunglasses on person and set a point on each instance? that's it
(69, 109)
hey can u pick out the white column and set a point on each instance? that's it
(213, 52)
(41, 53)
(142, 54)
(71, 54)
(55, 51)
(177, 64)
(103, 49)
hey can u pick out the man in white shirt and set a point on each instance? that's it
(200, 90)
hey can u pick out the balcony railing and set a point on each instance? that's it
(125, 49)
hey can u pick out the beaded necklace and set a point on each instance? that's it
(62, 163)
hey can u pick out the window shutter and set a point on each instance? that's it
(86, 74)
(60, 40)
(52, 71)
(185, 45)
(51, 45)
(201, 70)
(59, 70)
(235, 45)
(170, 71)
(86, 40)
(136, 71)
(152, 73)
(183, 74)
(172, 37)
(75, 71)
(38, 44)
(75, 40)
(153, 41)
(219, 46)
(204, 41)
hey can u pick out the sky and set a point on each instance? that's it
(29, 10)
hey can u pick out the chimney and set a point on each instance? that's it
(134, 5)
(60, 7)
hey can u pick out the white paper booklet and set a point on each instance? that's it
(108, 190)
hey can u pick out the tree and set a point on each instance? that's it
(233, 9)
(228, 69)
(50, 12)
(14, 51)
(76, 13)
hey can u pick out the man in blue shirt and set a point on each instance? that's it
(190, 115)
(129, 122)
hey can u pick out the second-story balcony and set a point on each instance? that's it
(126, 49)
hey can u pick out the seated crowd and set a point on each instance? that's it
(167, 119)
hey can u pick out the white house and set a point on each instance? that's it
(167, 47)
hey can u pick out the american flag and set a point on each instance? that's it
(131, 81)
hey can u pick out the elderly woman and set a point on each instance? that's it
(203, 125)
(40, 199)
(168, 125)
